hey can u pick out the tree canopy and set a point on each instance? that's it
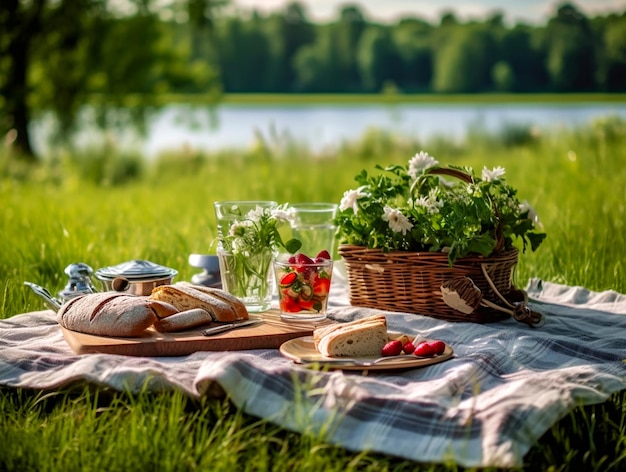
(120, 57)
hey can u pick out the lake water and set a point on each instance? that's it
(325, 126)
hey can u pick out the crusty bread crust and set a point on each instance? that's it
(186, 297)
(107, 314)
(162, 309)
(238, 305)
(361, 338)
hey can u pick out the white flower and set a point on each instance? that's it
(240, 227)
(493, 174)
(532, 214)
(430, 202)
(419, 163)
(256, 214)
(284, 213)
(349, 199)
(397, 221)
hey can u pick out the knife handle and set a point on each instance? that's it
(218, 329)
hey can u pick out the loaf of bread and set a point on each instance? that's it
(109, 314)
(361, 338)
(187, 297)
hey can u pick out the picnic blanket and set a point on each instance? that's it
(487, 406)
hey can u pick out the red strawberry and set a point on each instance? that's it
(306, 304)
(392, 348)
(408, 348)
(321, 286)
(288, 304)
(303, 259)
(300, 264)
(424, 349)
(438, 346)
(323, 255)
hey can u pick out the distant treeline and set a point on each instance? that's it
(122, 56)
(285, 52)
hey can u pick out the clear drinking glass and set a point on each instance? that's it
(314, 226)
(249, 278)
(245, 271)
(229, 211)
(303, 288)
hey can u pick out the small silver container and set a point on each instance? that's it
(137, 277)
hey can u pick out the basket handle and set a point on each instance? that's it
(469, 179)
(457, 173)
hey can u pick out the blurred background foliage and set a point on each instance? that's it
(125, 58)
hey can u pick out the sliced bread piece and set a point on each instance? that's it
(360, 338)
(185, 298)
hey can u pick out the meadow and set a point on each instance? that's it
(104, 206)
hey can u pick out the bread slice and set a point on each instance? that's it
(185, 298)
(361, 338)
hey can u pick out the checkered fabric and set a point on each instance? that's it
(487, 406)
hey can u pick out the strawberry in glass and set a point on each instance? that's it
(304, 285)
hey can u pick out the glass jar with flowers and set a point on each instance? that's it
(407, 230)
(249, 240)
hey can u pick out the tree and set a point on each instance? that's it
(316, 64)
(413, 44)
(503, 77)
(200, 26)
(570, 51)
(21, 23)
(377, 59)
(464, 62)
(347, 34)
(59, 55)
(244, 54)
(526, 59)
(613, 71)
(287, 32)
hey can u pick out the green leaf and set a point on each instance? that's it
(535, 239)
(293, 245)
(484, 245)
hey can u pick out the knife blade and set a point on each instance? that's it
(230, 326)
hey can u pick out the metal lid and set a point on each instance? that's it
(136, 270)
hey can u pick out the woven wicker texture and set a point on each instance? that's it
(410, 281)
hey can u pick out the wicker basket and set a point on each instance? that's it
(410, 281)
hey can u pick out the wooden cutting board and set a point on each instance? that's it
(269, 334)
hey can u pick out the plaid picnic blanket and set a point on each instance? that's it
(487, 406)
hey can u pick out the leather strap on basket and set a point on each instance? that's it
(519, 310)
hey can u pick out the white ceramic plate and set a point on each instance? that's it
(302, 351)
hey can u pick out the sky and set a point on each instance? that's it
(528, 11)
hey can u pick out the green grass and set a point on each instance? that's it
(394, 98)
(103, 208)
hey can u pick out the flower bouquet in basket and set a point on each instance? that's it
(437, 241)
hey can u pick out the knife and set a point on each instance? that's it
(222, 328)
